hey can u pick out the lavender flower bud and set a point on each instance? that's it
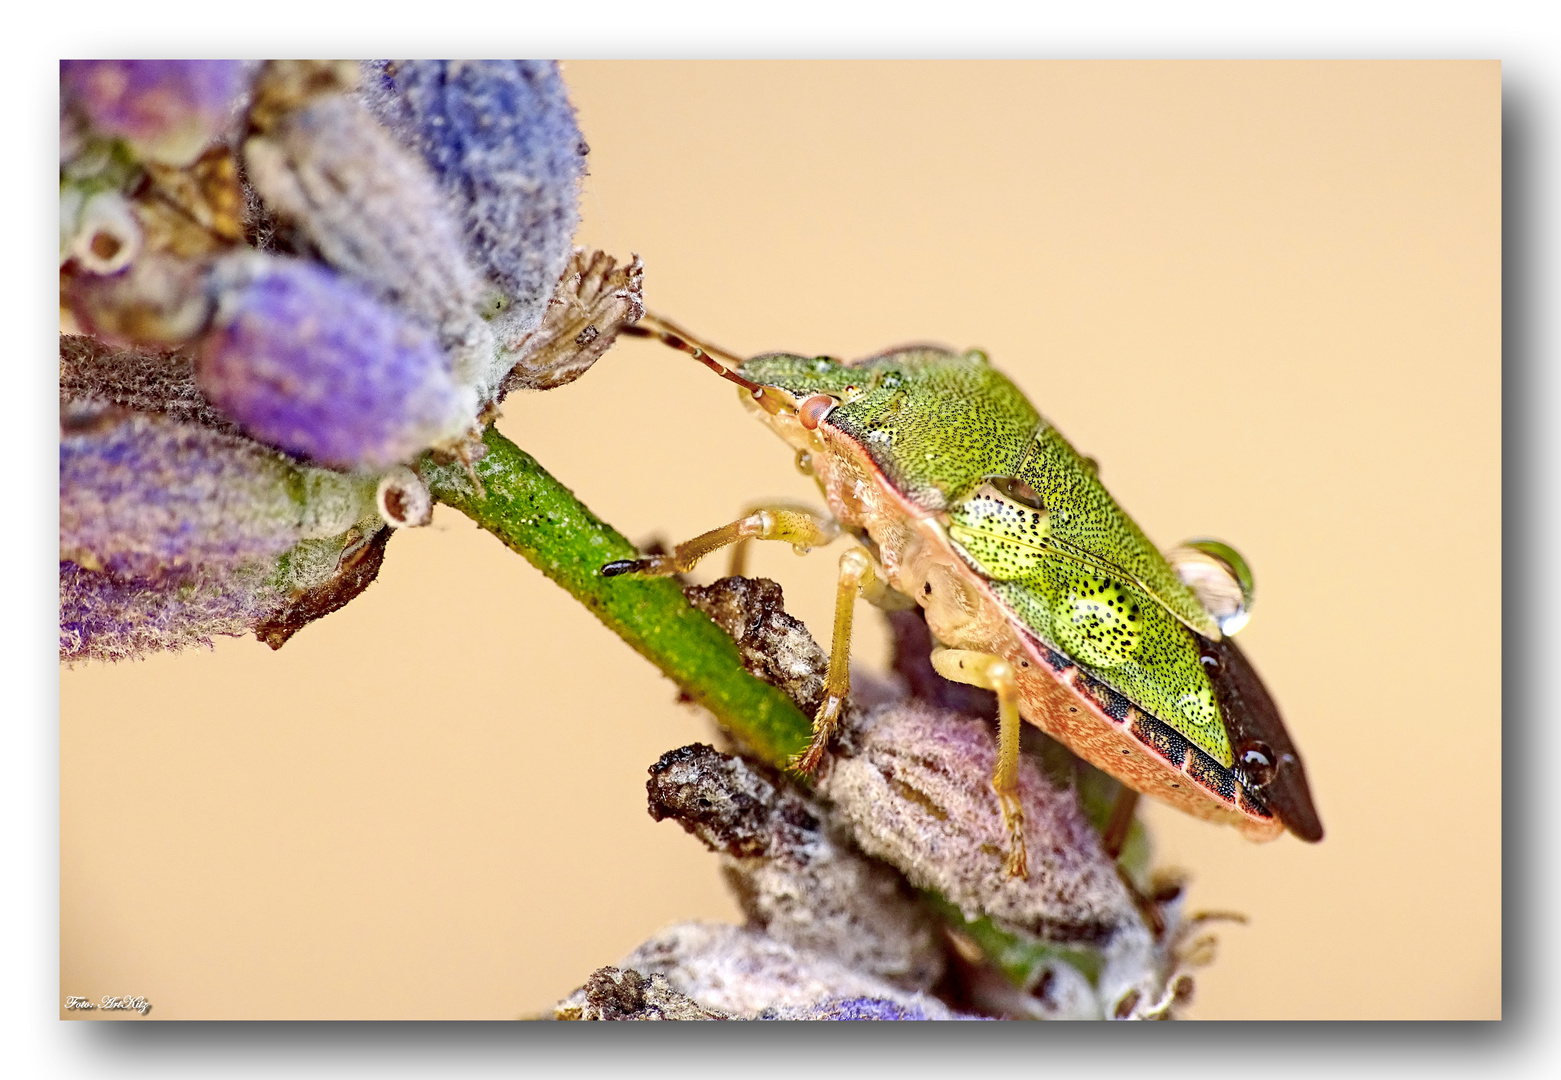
(373, 211)
(307, 362)
(103, 617)
(146, 496)
(746, 973)
(867, 1008)
(108, 619)
(501, 137)
(167, 110)
(916, 792)
(795, 881)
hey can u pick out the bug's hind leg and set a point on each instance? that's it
(856, 574)
(992, 672)
(800, 529)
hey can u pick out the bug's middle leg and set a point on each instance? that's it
(800, 529)
(856, 577)
(992, 672)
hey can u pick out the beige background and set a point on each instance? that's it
(1265, 296)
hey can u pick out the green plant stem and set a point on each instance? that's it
(1017, 956)
(537, 517)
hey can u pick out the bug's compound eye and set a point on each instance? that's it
(1219, 577)
(813, 410)
(1019, 491)
(1257, 763)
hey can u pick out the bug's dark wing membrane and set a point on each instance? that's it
(1252, 720)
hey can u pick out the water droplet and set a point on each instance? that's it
(1256, 762)
(1219, 577)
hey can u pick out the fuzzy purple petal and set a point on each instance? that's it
(370, 207)
(167, 109)
(104, 618)
(308, 362)
(951, 839)
(502, 139)
(866, 1008)
(145, 495)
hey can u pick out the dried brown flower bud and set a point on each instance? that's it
(795, 879)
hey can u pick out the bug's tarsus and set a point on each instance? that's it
(800, 528)
(824, 725)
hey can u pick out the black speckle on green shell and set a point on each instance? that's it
(1086, 520)
(1098, 621)
(1005, 537)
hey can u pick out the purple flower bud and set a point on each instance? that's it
(308, 362)
(168, 110)
(373, 211)
(106, 618)
(793, 877)
(867, 1008)
(745, 972)
(915, 790)
(501, 137)
(146, 496)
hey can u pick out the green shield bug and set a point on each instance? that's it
(1034, 582)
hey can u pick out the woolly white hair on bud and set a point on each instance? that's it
(332, 502)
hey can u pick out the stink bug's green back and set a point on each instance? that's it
(1034, 582)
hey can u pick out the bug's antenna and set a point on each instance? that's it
(674, 336)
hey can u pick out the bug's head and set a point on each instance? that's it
(808, 388)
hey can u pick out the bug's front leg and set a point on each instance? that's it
(992, 672)
(800, 529)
